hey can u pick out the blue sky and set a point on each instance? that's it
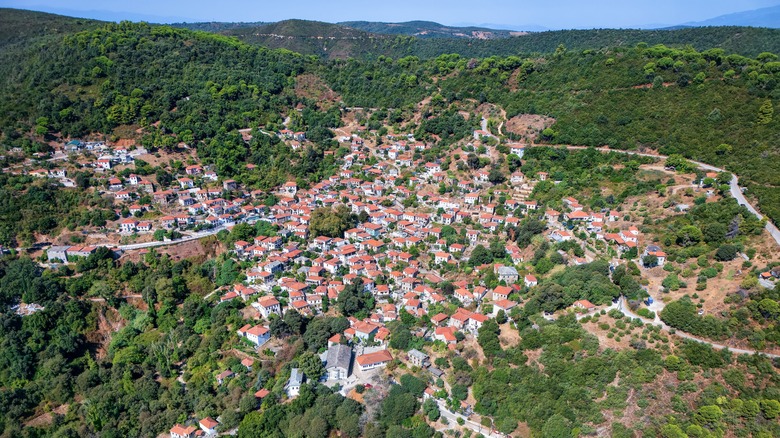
(553, 14)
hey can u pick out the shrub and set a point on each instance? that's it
(726, 252)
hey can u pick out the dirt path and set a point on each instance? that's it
(736, 191)
(657, 321)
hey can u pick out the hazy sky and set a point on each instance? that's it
(553, 14)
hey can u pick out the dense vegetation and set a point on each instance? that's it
(576, 386)
(424, 29)
(29, 207)
(19, 26)
(624, 97)
(372, 40)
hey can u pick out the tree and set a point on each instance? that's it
(497, 249)
(311, 365)
(473, 161)
(398, 406)
(330, 222)
(295, 321)
(501, 317)
(514, 162)
(488, 338)
(671, 282)
(679, 163)
(543, 266)
(279, 328)
(765, 113)
(400, 338)
(557, 426)
(480, 256)
(550, 297)
(431, 409)
(726, 253)
(723, 149)
(769, 308)
(495, 176)
(413, 385)
(708, 416)
(650, 261)
(689, 235)
(321, 329)
(354, 299)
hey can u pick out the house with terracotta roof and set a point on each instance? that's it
(180, 431)
(223, 376)
(501, 293)
(505, 305)
(268, 305)
(209, 426)
(445, 334)
(373, 360)
(439, 319)
(257, 335)
(584, 304)
(654, 250)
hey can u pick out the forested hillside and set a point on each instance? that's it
(18, 25)
(669, 100)
(332, 41)
(672, 100)
(426, 29)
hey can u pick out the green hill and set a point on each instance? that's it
(426, 29)
(332, 41)
(95, 81)
(218, 26)
(17, 25)
(369, 40)
(325, 40)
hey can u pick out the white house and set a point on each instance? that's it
(338, 361)
(209, 426)
(179, 431)
(293, 387)
(268, 305)
(517, 149)
(258, 334)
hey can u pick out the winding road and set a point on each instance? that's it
(736, 191)
(657, 322)
(187, 238)
(453, 421)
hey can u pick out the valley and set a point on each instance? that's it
(204, 233)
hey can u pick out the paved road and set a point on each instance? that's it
(657, 322)
(736, 191)
(193, 236)
(453, 419)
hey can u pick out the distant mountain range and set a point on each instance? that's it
(764, 17)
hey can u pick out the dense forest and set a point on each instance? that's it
(331, 41)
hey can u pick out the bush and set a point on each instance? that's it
(646, 313)
(726, 252)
